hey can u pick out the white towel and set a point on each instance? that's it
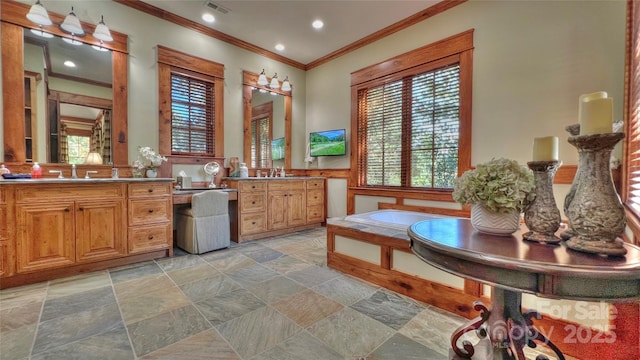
(307, 155)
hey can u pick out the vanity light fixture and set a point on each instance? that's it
(102, 32)
(262, 79)
(99, 47)
(274, 82)
(38, 14)
(41, 33)
(71, 24)
(286, 86)
(72, 41)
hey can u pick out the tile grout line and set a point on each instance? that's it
(35, 333)
(126, 329)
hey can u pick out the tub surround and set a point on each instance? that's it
(275, 206)
(53, 227)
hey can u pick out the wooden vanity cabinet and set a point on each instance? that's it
(276, 206)
(67, 224)
(7, 262)
(252, 207)
(287, 204)
(150, 214)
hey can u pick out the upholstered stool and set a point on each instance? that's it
(205, 225)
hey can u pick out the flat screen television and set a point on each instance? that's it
(277, 149)
(328, 142)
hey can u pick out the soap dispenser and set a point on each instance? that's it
(36, 171)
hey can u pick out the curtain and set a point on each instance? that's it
(64, 146)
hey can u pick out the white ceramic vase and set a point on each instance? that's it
(489, 222)
(152, 173)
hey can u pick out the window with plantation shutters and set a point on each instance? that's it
(190, 104)
(411, 130)
(192, 116)
(412, 119)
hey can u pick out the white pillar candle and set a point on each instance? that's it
(545, 148)
(595, 113)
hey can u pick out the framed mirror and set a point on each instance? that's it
(267, 125)
(72, 101)
(31, 138)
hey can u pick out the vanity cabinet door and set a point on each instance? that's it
(6, 254)
(296, 208)
(45, 236)
(100, 230)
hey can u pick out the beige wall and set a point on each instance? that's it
(532, 60)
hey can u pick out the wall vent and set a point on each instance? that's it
(219, 8)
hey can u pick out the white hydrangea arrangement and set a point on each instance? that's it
(500, 185)
(148, 158)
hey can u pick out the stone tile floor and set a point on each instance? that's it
(272, 299)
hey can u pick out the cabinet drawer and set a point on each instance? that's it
(245, 186)
(253, 202)
(286, 185)
(149, 238)
(315, 214)
(253, 223)
(48, 192)
(315, 197)
(149, 211)
(147, 189)
(315, 184)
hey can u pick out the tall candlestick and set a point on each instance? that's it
(595, 113)
(545, 148)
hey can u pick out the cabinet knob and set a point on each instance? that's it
(150, 211)
(150, 237)
(150, 190)
(253, 186)
(67, 210)
(253, 223)
(81, 209)
(253, 203)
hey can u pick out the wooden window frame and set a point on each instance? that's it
(460, 46)
(173, 61)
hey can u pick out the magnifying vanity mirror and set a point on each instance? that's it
(61, 107)
(267, 125)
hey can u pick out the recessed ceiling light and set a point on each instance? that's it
(69, 63)
(279, 47)
(208, 17)
(317, 24)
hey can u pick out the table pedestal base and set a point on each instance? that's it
(504, 331)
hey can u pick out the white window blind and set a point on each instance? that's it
(409, 129)
(192, 116)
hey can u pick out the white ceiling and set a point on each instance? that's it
(266, 23)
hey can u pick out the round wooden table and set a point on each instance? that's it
(514, 266)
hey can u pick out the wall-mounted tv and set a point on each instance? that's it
(328, 142)
(277, 149)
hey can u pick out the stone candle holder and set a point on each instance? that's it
(542, 215)
(594, 210)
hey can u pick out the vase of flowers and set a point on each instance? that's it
(499, 191)
(147, 162)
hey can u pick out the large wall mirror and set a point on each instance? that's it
(67, 111)
(267, 125)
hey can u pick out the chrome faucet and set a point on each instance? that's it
(59, 172)
(86, 176)
(74, 174)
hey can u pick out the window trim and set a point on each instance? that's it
(173, 61)
(461, 46)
